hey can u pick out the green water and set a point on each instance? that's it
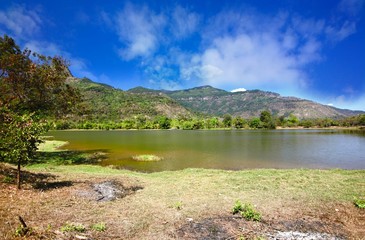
(231, 150)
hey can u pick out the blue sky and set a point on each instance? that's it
(306, 48)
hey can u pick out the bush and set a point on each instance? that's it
(247, 211)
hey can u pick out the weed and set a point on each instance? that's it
(100, 227)
(247, 211)
(22, 231)
(177, 205)
(8, 179)
(237, 207)
(71, 227)
(360, 203)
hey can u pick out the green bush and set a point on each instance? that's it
(237, 207)
(247, 211)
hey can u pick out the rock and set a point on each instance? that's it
(108, 191)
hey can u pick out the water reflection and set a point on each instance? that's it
(236, 149)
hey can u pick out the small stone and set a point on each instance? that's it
(189, 219)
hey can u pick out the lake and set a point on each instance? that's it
(220, 149)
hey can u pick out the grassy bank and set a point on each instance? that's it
(168, 205)
(59, 201)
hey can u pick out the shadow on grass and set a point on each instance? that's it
(44, 186)
(46, 181)
(10, 173)
(71, 157)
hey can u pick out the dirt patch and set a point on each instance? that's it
(229, 227)
(111, 190)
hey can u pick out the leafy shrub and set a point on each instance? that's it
(247, 211)
(237, 207)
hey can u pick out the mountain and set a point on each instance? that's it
(217, 102)
(213, 101)
(103, 102)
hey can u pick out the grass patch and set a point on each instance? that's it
(360, 203)
(99, 227)
(51, 146)
(73, 227)
(147, 158)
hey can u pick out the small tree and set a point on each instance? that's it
(267, 120)
(238, 122)
(227, 120)
(164, 122)
(32, 87)
(19, 136)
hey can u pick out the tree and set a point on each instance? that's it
(227, 120)
(164, 122)
(238, 122)
(32, 87)
(267, 120)
(19, 136)
(255, 123)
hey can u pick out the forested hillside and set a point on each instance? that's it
(103, 102)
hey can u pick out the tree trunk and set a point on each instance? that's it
(18, 175)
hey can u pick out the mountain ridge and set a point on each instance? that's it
(108, 103)
(213, 101)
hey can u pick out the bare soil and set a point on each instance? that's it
(131, 209)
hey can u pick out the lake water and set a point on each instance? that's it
(231, 150)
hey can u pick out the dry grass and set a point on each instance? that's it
(308, 200)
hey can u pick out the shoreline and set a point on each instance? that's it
(224, 129)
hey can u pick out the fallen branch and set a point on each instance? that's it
(24, 228)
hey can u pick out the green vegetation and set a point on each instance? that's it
(50, 145)
(360, 203)
(147, 158)
(177, 205)
(32, 88)
(99, 227)
(73, 227)
(247, 211)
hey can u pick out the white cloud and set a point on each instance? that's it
(348, 102)
(239, 90)
(337, 34)
(21, 22)
(352, 7)
(139, 30)
(253, 60)
(183, 22)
